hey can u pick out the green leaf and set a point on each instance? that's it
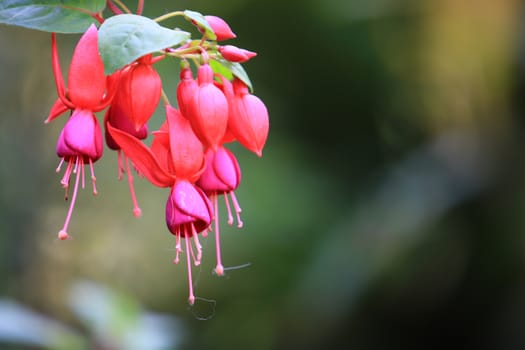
(198, 19)
(124, 38)
(229, 69)
(61, 16)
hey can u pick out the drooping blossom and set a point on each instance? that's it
(116, 117)
(248, 120)
(139, 91)
(185, 89)
(208, 109)
(80, 142)
(221, 176)
(236, 54)
(175, 160)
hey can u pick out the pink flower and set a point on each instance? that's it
(220, 28)
(116, 117)
(235, 54)
(222, 175)
(139, 91)
(208, 112)
(80, 142)
(248, 121)
(185, 89)
(174, 160)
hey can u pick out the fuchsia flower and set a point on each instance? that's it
(220, 28)
(222, 175)
(174, 160)
(185, 89)
(208, 109)
(248, 120)
(80, 142)
(139, 91)
(235, 54)
(118, 119)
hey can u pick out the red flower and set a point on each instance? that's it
(248, 120)
(185, 89)
(80, 142)
(174, 160)
(222, 175)
(235, 54)
(208, 112)
(139, 91)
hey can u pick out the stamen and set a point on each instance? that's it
(191, 297)
(67, 174)
(59, 167)
(198, 245)
(178, 248)
(62, 234)
(219, 269)
(83, 173)
(137, 212)
(93, 178)
(237, 209)
(119, 165)
(229, 210)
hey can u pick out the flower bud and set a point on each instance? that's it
(235, 54)
(220, 28)
(185, 90)
(249, 121)
(208, 112)
(222, 173)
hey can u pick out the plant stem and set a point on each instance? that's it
(122, 6)
(168, 15)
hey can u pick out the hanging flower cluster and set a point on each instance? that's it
(188, 154)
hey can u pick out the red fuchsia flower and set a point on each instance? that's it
(248, 120)
(221, 29)
(139, 91)
(80, 142)
(119, 120)
(208, 112)
(235, 54)
(174, 160)
(185, 89)
(221, 176)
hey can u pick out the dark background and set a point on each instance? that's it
(388, 210)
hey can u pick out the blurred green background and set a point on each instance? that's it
(388, 210)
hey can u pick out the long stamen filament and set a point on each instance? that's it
(219, 269)
(137, 212)
(62, 234)
(191, 297)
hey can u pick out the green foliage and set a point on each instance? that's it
(230, 69)
(61, 16)
(124, 38)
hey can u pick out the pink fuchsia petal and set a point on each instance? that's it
(220, 28)
(235, 54)
(142, 157)
(86, 80)
(186, 205)
(208, 110)
(185, 148)
(57, 110)
(81, 136)
(222, 172)
(249, 120)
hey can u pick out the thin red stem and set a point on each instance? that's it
(113, 8)
(140, 7)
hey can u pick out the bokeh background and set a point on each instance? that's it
(388, 210)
